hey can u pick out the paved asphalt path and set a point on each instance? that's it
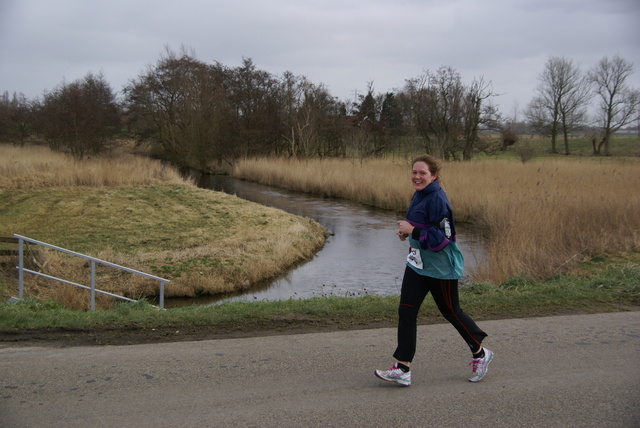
(564, 371)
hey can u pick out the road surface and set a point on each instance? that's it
(563, 371)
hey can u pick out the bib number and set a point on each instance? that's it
(414, 258)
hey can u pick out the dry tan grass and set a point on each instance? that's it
(244, 255)
(136, 213)
(37, 166)
(539, 217)
(381, 183)
(544, 215)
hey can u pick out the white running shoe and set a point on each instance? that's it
(479, 366)
(394, 374)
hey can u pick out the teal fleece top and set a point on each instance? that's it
(433, 252)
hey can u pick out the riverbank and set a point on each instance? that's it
(139, 214)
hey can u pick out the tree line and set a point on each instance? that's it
(197, 114)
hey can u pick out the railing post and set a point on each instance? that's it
(20, 267)
(93, 285)
(161, 294)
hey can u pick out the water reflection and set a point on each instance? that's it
(362, 257)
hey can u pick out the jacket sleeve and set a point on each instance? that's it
(432, 237)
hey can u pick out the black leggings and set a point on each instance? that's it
(445, 293)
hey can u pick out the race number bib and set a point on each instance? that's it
(414, 259)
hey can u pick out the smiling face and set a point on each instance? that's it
(421, 176)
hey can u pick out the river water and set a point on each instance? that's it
(363, 256)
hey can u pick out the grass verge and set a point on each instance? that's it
(602, 284)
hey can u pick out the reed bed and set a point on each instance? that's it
(37, 167)
(539, 217)
(375, 182)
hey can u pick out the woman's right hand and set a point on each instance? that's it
(404, 229)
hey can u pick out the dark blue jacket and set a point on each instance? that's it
(427, 209)
(432, 254)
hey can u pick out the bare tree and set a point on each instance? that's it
(432, 107)
(446, 118)
(180, 105)
(574, 103)
(564, 92)
(308, 127)
(618, 103)
(445, 113)
(16, 118)
(476, 112)
(255, 97)
(308, 113)
(81, 117)
(539, 117)
(292, 91)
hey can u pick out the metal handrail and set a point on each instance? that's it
(93, 260)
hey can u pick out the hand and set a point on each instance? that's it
(404, 229)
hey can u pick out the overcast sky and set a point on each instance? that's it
(343, 44)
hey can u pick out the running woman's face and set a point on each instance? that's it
(421, 176)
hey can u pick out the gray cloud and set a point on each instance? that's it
(343, 44)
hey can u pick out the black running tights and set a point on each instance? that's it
(415, 288)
